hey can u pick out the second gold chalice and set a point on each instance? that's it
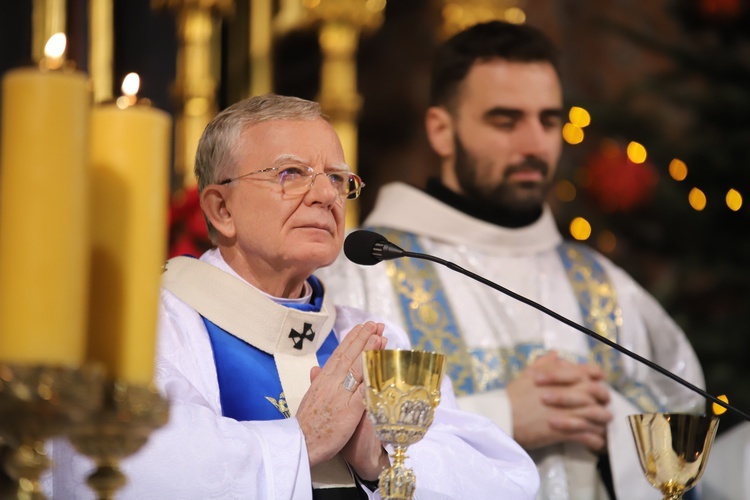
(402, 392)
(673, 449)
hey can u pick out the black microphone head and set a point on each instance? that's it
(359, 246)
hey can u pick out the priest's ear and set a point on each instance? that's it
(216, 210)
(440, 129)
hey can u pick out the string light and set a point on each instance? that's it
(565, 190)
(579, 117)
(580, 229)
(606, 241)
(697, 199)
(734, 199)
(717, 408)
(573, 134)
(636, 152)
(678, 170)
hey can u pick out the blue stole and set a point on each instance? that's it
(249, 385)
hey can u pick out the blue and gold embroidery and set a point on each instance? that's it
(432, 326)
(600, 312)
(430, 322)
(280, 405)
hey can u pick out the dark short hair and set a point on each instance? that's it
(484, 42)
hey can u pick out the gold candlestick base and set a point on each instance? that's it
(127, 417)
(38, 402)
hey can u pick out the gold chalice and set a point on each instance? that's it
(673, 448)
(402, 391)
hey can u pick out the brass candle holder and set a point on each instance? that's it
(402, 392)
(38, 402)
(673, 449)
(126, 418)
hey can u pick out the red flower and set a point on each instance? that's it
(188, 234)
(615, 182)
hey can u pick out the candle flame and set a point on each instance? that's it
(130, 84)
(55, 47)
(54, 52)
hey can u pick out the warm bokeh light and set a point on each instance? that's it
(697, 199)
(734, 199)
(580, 229)
(717, 408)
(375, 5)
(606, 242)
(573, 134)
(678, 170)
(565, 190)
(55, 47)
(579, 117)
(636, 152)
(515, 15)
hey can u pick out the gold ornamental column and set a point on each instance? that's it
(198, 59)
(261, 42)
(48, 17)
(101, 30)
(341, 23)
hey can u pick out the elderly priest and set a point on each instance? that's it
(263, 372)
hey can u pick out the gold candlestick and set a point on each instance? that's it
(402, 392)
(127, 416)
(342, 21)
(198, 57)
(38, 402)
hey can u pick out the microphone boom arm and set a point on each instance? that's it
(395, 252)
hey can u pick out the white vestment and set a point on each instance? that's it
(726, 476)
(500, 335)
(200, 454)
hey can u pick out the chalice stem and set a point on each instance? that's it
(398, 482)
(399, 457)
(672, 495)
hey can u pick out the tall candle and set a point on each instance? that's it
(43, 216)
(130, 153)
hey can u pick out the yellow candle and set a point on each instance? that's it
(130, 152)
(44, 216)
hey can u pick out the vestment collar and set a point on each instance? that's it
(400, 206)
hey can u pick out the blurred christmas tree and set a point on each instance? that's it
(679, 219)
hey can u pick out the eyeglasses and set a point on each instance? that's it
(297, 179)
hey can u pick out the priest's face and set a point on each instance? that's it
(507, 133)
(278, 234)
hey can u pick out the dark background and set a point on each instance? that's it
(673, 75)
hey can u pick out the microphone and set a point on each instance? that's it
(367, 248)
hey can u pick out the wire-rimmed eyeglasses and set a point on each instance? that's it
(296, 179)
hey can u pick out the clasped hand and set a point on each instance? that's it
(332, 418)
(555, 401)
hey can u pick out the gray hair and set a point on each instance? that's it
(215, 156)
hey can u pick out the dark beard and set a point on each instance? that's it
(519, 196)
